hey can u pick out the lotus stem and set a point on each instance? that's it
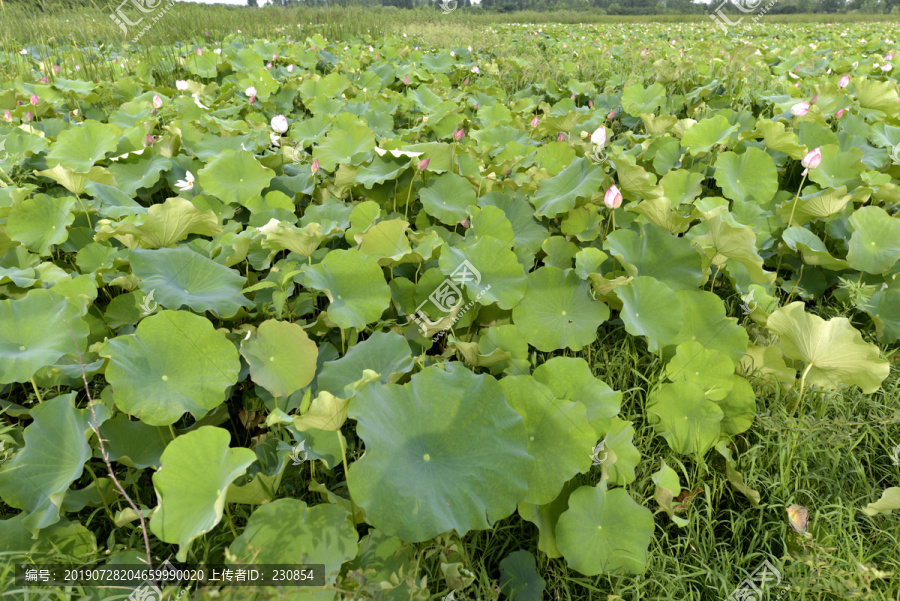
(36, 391)
(802, 389)
(347, 476)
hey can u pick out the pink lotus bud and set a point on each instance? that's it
(459, 134)
(611, 115)
(279, 124)
(315, 166)
(157, 101)
(535, 121)
(813, 99)
(269, 66)
(560, 137)
(28, 116)
(591, 103)
(44, 80)
(466, 82)
(313, 46)
(7, 116)
(889, 56)
(613, 198)
(844, 81)
(148, 140)
(406, 80)
(800, 109)
(291, 68)
(812, 158)
(464, 223)
(56, 68)
(839, 114)
(476, 106)
(78, 67)
(573, 97)
(34, 100)
(274, 57)
(423, 165)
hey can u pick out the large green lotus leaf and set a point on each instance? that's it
(234, 177)
(570, 378)
(281, 356)
(499, 277)
(884, 308)
(833, 350)
(37, 477)
(142, 172)
(443, 452)
(604, 532)
(191, 485)
(180, 276)
(749, 176)
(447, 197)
(545, 517)
(739, 407)
(559, 194)
(682, 186)
(708, 369)
(35, 331)
(385, 241)
(619, 441)
(560, 437)
(163, 225)
(657, 253)
(519, 578)
(876, 95)
(352, 144)
(811, 248)
(40, 222)
(706, 133)
(650, 308)
(637, 100)
(386, 353)
(705, 322)
(558, 311)
(875, 243)
(380, 170)
(355, 286)
(530, 234)
(777, 138)
(490, 221)
(818, 205)
(78, 148)
(682, 415)
(838, 167)
(288, 531)
(134, 443)
(727, 240)
(889, 501)
(174, 362)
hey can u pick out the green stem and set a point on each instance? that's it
(230, 520)
(36, 391)
(802, 389)
(347, 476)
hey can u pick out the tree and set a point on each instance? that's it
(252, 3)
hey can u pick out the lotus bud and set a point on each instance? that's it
(535, 121)
(291, 68)
(44, 80)
(844, 81)
(800, 109)
(560, 137)
(613, 198)
(279, 124)
(466, 82)
(34, 100)
(7, 116)
(406, 80)
(29, 117)
(839, 114)
(181, 85)
(269, 66)
(812, 159)
(56, 68)
(423, 165)
(148, 140)
(459, 134)
(157, 101)
(315, 167)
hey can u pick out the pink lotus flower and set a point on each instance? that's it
(157, 101)
(78, 67)
(613, 198)
(459, 134)
(7, 116)
(800, 109)
(839, 114)
(535, 121)
(56, 68)
(812, 159)
(844, 81)
(423, 165)
(889, 57)
(315, 167)
(44, 80)
(279, 123)
(34, 100)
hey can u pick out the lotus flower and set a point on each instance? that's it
(535, 121)
(315, 167)
(844, 81)
(251, 91)
(291, 68)
(34, 100)
(423, 165)
(613, 198)
(187, 183)
(839, 114)
(181, 85)
(7, 116)
(279, 123)
(812, 159)
(157, 101)
(459, 134)
(887, 67)
(598, 138)
(800, 109)
(475, 70)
